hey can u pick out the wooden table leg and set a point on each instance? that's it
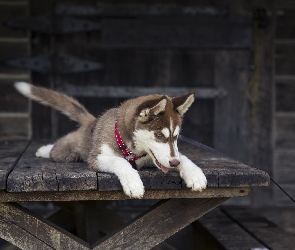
(31, 232)
(158, 223)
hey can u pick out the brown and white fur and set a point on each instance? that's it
(148, 125)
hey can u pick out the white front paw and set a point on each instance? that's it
(194, 178)
(132, 185)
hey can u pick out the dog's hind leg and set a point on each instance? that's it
(66, 149)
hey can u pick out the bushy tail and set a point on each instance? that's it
(61, 102)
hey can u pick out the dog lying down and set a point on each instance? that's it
(140, 131)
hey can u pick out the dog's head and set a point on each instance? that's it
(157, 128)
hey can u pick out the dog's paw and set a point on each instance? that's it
(132, 185)
(192, 174)
(194, 178)
(44, 151)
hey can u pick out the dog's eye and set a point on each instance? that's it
(159, 135)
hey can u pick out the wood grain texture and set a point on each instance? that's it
(28, 231)
(119, 195)
(227, 233)
(161, 221)
(37, 174)
(272, 236)
(10, 152)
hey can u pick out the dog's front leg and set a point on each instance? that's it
(191, 174)
(128, 177)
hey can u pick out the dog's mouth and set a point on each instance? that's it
(159, 165)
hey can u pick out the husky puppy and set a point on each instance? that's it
(140, 131)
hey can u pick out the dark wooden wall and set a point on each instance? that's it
(284, 119)
(14, 110)
(193, 45)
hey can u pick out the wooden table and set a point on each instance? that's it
(23, 177)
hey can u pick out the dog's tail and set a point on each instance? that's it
(61, 102)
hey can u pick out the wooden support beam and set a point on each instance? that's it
(119, 195)
(158, 223)
(28, 231)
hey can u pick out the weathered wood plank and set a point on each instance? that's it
(38, 174)
(14, 126)
(10, 152)
(285, 93)
(160, 222)
(285, 159)
(29, 231)
(272, 236)
(228, 234)
(285, 131)
(160, 32)
(11, 100)
(286, 176)
(119, 195)
(138, 10)
(282, 199)
(284, 57)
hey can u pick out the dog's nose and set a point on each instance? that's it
(174, 163)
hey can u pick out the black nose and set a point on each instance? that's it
(174, 163)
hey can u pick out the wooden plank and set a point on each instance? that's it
(160, 222)
(246, 138)
(285, 176)
(128, 91)
(14, 128)
(10, 100)
(284, 59)
(10, 152)
(160, 32)
(285, 93)
(228, 171)
(138, 10)
(29, 231)
(227, 233)
(37, 174)
(285, 25)
(272, 236)
(119, 195)
(285, 133)
(281, 198)
(285, 159)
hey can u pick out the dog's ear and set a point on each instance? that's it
(150, 109)
(182, 103)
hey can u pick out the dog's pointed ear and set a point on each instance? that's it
(151, 109)
(182, 103)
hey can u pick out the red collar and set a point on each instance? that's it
(128, 154)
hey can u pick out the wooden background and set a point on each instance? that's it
(227, 45)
